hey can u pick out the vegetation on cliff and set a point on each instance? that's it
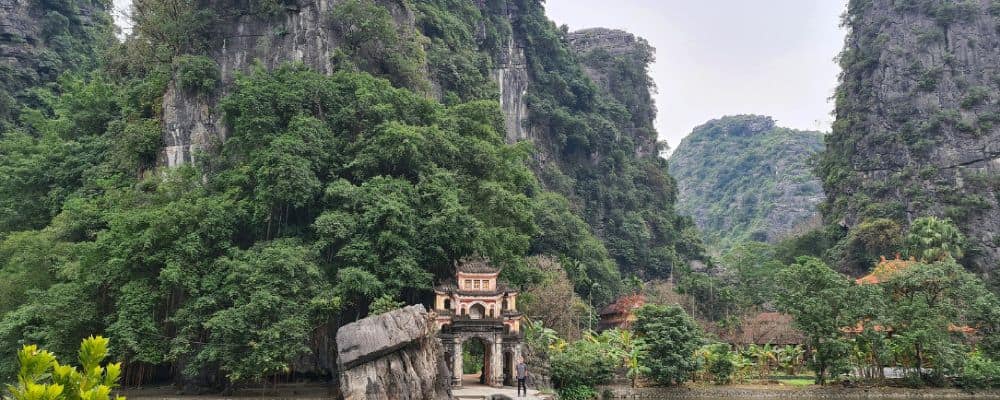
(744, 179)
(604, 161)
(43, 39)
(917, 120)
(348, 192)
(333, 196)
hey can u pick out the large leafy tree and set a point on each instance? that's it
(671, 338)
(330, 192)
(932, 302)
(753, 266)
(819, 300)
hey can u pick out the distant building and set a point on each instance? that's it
(621, 313)
(884, 270)
(765, 328)
(477, 306)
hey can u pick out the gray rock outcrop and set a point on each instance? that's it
(918, 119)
(392, 356)
(299, 32)
(617, 62)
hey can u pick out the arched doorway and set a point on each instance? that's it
(477, 311)
(508, 368)
(476, 356)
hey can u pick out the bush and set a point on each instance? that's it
(198, 74)
(980, 372)
(41, 377)
(384, 304)
(581, 392)
(582, 364)
(721, 365)
(374, 42)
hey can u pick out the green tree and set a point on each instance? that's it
(385, 304)
(262, 307)
(582, 364)
(818, 298)
(867, 241)
(378, 45)
(754, 266)
(671, 338)
(928, 302)
(932, 239)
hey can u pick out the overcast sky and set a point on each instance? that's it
(724, 57)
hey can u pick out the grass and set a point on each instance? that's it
(797, 382)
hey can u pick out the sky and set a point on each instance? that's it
(726, 57)
(723, 57)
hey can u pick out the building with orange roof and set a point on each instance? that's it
(621, 313)
(763, 328)
(882, 272)
(885, 269)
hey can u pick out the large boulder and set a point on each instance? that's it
(392, 356)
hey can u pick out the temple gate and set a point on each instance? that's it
(476, 306)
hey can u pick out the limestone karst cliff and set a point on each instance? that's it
(616, 61)
(918, 119)
(395, 355)
(744, 178)
(38, 41)
(284, 32)
(583, 98)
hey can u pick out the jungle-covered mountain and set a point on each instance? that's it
(234, 180)
(917, 127)
(742, 178)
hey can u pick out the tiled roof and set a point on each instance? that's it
(885, 269)
(765, 328)
(476, 265)
(624, 305)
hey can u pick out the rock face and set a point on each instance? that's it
(511, 76)
(918, 119)
(392, 356)
(583, 99)
(616, 61)
(40, 40)
(742, 178)
(300, 31)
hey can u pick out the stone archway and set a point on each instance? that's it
(477, 311)
(493, 369)
(475, 361)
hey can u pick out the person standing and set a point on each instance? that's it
(522, 377)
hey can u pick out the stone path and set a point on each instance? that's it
(479, 392)
(472, 390)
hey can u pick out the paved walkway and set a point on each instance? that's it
(486, 392)
(471, 389)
